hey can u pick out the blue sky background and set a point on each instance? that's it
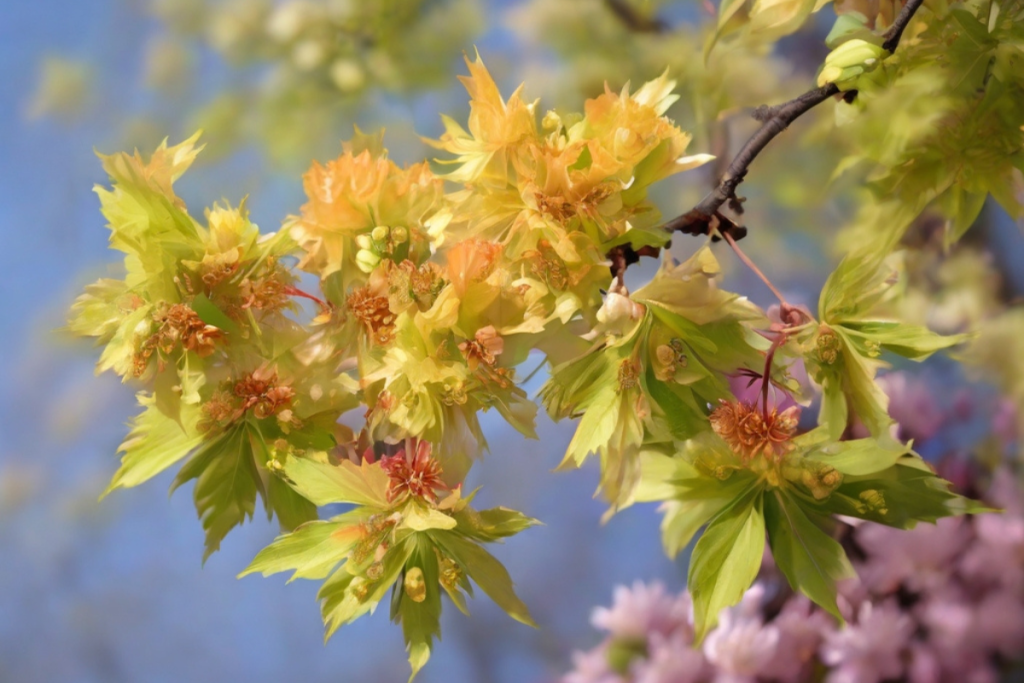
(115, 591)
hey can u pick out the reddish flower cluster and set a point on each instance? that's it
(419, 475)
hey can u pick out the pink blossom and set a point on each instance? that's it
(999, 624)
(912, 404)
(645, 608)
(592, 667)
(671, 659)
(801, 629)
(920, 558)
(742, 645)
(1004, 421)
(869, 650)
(924, 666)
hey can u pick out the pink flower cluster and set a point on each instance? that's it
(938, 604)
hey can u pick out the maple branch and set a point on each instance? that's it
(697, 221)
(774, 120)
(706, 217)
(634, 20)
(895, 32)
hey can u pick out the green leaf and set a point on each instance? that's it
(962, 208)
(685, 515)
(154, 443)
(910, 341)
(972, 27)
(855, 287)
(421, 621)
(211, 315)
(863, 394)
(279, 498)
(900, 497)
(861, 456)
(323, 483)
(339, 605)
(95, 313)
(226, 484)
(486, 571)
(312, 550)
(811, 560)
(422, 518)
(834, 414)
(493, 524)
(726, 560)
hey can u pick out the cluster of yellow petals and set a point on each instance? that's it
(565, 189)
(351, 195)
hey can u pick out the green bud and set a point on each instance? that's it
(367, 260)
(380, 233)
(849, 61)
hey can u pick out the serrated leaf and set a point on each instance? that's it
(910, 341)
(486, 571)
(312, 550)
(811, 560)
(226, 484)
(340, 606)
(726, 560)
(154, 443)
(900, 497)
(421, 621)
(324, 483)
(492, 524)
(859, 457)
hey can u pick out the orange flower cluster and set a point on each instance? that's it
(263, 395)
(177, 324)
(374, 312)
(749, 432)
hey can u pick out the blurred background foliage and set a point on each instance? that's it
(116, 592)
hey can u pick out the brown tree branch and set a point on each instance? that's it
(634, 20)
(697, 221)
(706, 217)
(895, 32)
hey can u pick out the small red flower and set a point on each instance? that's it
(419, 475)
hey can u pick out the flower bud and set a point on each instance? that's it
(849, 61)
(415, 585)
(367, 260)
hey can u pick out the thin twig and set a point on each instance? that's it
(634, 20)
(895, 32)
(757, 271)
(766, 379)
(706, 217)
(774, 120)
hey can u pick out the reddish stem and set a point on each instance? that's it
(295, 291)
(750, 264)
(766, 379)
